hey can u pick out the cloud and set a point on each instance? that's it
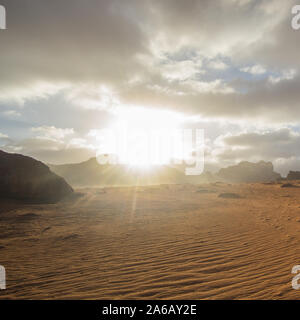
(281, 43)
(111, 52)
(51, 145)
(52, 132)
(215, 27)
(11, 114)
(65, 42)
(256, 69)
(4, 140)
(218, 65)
(91, 96)
(280, 146)
(34, 90)
(212, 87)
(285, 75)
(67, 65)
(181, 70)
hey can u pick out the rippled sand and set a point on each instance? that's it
(160, 242)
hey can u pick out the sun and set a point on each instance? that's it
(142, 136)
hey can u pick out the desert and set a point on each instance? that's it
(154, 242)
(149, 150)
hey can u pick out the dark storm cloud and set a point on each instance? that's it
(108, 41)
(68, 41)
(278, 102)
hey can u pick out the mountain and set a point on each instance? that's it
(91, 173)
(25, 178)
(249, 172)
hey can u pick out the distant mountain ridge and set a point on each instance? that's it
(91, 173)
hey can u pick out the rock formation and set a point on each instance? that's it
(293, 175)
(24, 178)
(249, 172)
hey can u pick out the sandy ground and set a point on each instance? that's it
(160, 242)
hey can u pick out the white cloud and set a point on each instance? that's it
(218, 65)
(279, 146)
(11, 114)
(152, 56)
(256, 69)
(181, 70)
(285, 75)
(51, 144)
(51, 132)
(30, 91)
(2, 135)
(216, 86)
(91, 96)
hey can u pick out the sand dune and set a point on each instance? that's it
(155, 242)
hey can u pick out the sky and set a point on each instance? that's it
(231, 67)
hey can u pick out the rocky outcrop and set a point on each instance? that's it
(249, 172)
(24, 178)
(293, 175)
